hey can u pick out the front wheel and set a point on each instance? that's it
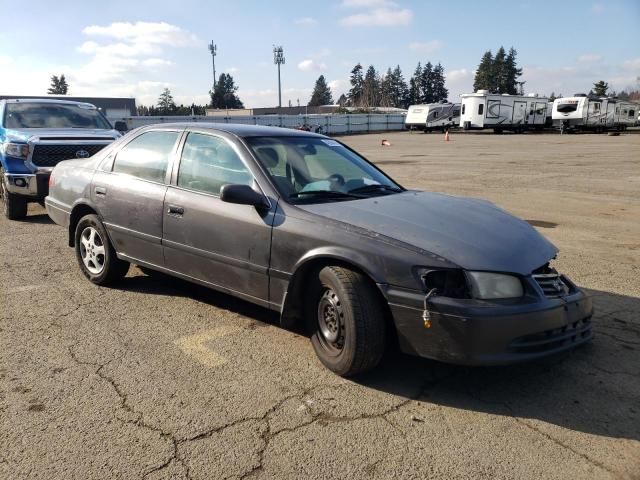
(95, 254)
(347, 322)
(14, 207)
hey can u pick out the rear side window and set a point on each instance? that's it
(481, 109)
(208, 163)
(147, 156)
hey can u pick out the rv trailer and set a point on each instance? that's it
(482, 110)
(584, 113)
(433, 116)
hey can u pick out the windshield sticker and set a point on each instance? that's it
(332, 143)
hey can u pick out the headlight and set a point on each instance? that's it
(18, 150)
(487, 285)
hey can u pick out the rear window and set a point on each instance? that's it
(567, 107)
(481, 109)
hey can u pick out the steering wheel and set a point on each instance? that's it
(337, 179)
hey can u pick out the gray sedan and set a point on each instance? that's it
(301, 224)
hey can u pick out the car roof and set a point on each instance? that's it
(240, 130)
(47, 100)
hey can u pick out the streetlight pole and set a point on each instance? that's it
(278, 59)
(213, 49)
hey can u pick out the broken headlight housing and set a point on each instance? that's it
(490, 286)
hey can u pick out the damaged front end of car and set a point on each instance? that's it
(490, 318)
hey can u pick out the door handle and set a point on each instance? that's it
(175, 210)
(100, 191)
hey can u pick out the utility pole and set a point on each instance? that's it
(278, 59)
(213, 49)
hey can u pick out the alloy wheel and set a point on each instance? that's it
(92, 250)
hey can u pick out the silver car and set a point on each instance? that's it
(301, 224)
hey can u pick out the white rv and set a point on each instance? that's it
(433, 116)
(581, 112)
(482, 110)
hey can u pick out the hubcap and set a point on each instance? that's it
(92, 250)
(331, 321)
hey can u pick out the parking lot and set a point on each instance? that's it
(158, 378)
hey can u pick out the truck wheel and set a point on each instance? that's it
(347, 322)
(95, 254)
(14, 207)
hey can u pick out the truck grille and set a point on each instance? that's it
(51, 155)
(551, 284)
(557, 338)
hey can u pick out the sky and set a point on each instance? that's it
(137, 48)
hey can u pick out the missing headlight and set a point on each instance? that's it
(448, 283)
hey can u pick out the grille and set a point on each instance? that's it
(51, 155)
(552, 284)
(573, 333)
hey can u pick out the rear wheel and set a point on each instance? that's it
(95, 254)
(346, 318)
(14, 207)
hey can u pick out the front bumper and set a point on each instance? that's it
(32, 185)
(472, 332)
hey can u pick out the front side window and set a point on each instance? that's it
(208, 163)
(314, 169)
(147, 156)
(53, 115)
(481, 109)
(463, 105)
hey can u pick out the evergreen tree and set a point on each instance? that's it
(439, 90)
(511, 84)
(484, 73)
(415, 86)
(371, 88)
(600, 88)
(399, 89)
(166, 105)
(59, 85)
(342, 100)
(357, 86)
(426, 84)
(224, 93)
(386, 89)
(499, 80)
(552, 97)
(321, 93)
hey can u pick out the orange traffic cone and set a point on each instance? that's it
(385, 143)
(446, 135)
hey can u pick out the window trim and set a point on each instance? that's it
(171, 162)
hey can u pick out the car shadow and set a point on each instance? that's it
(593, 389)
(38, 218)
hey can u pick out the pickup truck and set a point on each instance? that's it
(37, 134)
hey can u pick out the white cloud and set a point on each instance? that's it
(633, 65)
(158, 33)
(231, 70)
(156, 62)
(589, 58)
(426, 47)
(379, 17)
(597, 8)
(310, 65)
(459, 81)
(305, 21)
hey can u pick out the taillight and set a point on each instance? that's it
(51, 181)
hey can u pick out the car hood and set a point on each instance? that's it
(24, 134)
(474, 234)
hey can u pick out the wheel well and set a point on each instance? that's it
(77, 213)
(292, 315)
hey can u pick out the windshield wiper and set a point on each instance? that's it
(375, 188)
(325, 193)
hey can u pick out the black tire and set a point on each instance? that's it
(107, 267)
(350, 302)
(14, 207)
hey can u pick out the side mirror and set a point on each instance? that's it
(121, 126)
(243, 195)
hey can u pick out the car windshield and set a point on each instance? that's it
(53, 115)
(312, 169)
